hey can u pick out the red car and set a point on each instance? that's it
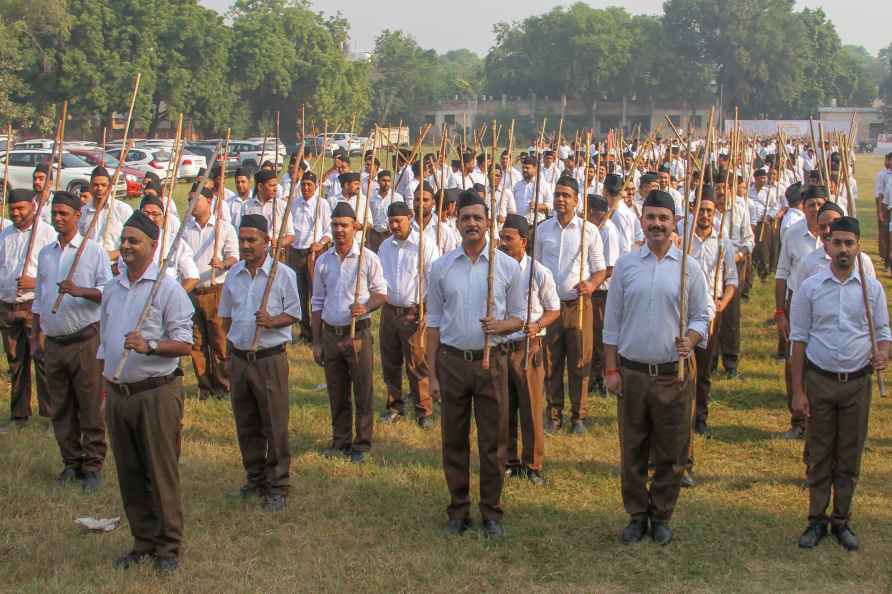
(133, 177)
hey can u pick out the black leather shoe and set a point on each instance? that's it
(130, 559)
(357, 457)
(69, 475)
(812, 535)
(514, 471)
(635, 531)
(845, 537)
(166, 565)
(731, 374)
(335, 453)
(274, 503)
(91, 482)
(457, 526)
(661, 532)
(687, 480)
(552, 426)
(578, 428)
(700, 427)
(795, 433)
(426, 422)
(535, 477)
(493, 529)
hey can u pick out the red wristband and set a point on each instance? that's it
(611, 371)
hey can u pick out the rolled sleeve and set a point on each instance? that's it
(613, 310)
(224, 309)
(290, 299)
(880, 312)
(596, 261)
(434, 297)
(730, 277)
(698, 313)
(178, 316)
(516, 305)
(784, 262)
(800, 314)
(318, 299)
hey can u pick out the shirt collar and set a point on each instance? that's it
(827, 274)
(74, 243)
(644, 252)
(151, 273)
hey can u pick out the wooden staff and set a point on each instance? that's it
(61, 144)
(165, 262)
(581, 305)
(509, 148)
(441, 154)
(492, 250)
(106, 203)
(6, 173)
(850, 202)
(102, 154)
(526, 343)
(768, 201)
(557, 139)
(274, 254)
(263, 149)
(110, 197)
(881, 386)
(814, 144)
(45, 191)
(415, 149)
(361, 258)
(168, 188)
(682, 305)
(218, 211)
(824, 171)
(276, 151)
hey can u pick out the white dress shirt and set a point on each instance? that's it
(544, 295)
(306, 224)
(181, 268)
(75, 313)
(200, 241)
(791, 217)
(242, 296)
(236, 203)
(706, 252)
(378, 209)
(611, 241)
(399, 263)
(450, 238)
(559, 249)
(254, 206)
(403, 181)
(797, 244)
(334, 283)
(356, 202)
(524, 194)
(738, 228)
(642, 312)
(828, 316)
(108, 229)
(819, 259)
(758, 199)
(13, 245)
(627, 223)
(170, 318)
(456, 296)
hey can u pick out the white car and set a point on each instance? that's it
(150, 159)
(75, 171)
(270, 147)
(190, 164)
(35, 143)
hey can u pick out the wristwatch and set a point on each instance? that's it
(153, 347)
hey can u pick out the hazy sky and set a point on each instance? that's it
(452, 24)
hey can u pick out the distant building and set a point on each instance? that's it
(869, 121)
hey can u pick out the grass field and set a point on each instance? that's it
(377, 527)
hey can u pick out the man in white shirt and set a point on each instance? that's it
(525, 191)
(526, 364)
(69, 339)
(144, 406)
(241, 195)
(597, 215)
(339, 310)
(459, 332)
(400, 316)
(265, 202)
(883, 204)
(17, 284)
(213, 258)
(259, 368)
(110, 221)
(834, 358)
(382, 197)
(577, 274)
(183, 266)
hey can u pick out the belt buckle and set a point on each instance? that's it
(250, 356)
(653, 370)
(468, 355)
(842, 378)
(124, 389)
(338, 330)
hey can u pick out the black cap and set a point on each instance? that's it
(343, 209)
(21, 195)
(760, 173)
(263, 176)
(660, 199)
(41, 168)
(848, 224)
(708, 193)
(648, 178)
(255, 221)
(831, 206)
(309, 176)
(100, 171)
(68, 199)
(147, 200)
(347, 177)
(242, 172)
(451, 195)
(425, 187)
(384, 173)
(515, 221)
(471, 198)
(399, 209)
(812, 192)
(143, 223)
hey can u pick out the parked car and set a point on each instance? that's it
(271, 148)
(340, 140)
(75, 176)
(133, 177)
(147, 159)
(34, 143)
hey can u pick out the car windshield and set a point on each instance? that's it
(69, 160)
(161, 155)
(92, 158)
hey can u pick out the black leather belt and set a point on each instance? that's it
(300, 251)
(518, 345)
(840, 377)
(85, 333)
(470, 355)
(207, 290)
(22, 306)
(258, 354)
(652, 369)
(363, 324)
(134, 388)
(402, 312)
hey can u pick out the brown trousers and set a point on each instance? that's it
(704, 358)
(394, 334)
(837, 430)
(729, 330)
(210, 350)
(763, 251)
(16, 331)
(299, 261)
(654, 420)
(599, 304)
(465, 385)
(884, 234)
(567, 346)
(260, 408)
(375, 238)
(74, 379)
(346, 370)
(526, 400)
(145, 431)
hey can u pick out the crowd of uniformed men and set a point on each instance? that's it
(587, 279)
